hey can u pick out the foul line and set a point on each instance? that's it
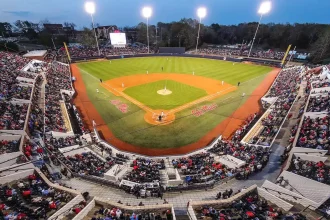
(134, 101)
(89, 74)
(212, 96)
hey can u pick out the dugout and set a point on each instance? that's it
(176, 50)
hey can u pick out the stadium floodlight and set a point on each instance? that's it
(147, 12)
(201, 13)
(264, 8)
(90, 9)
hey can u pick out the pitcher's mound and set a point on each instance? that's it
(164, 92)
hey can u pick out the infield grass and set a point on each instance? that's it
(131, 127)
(181, 94)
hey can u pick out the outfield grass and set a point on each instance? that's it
(181, 94)
(186, 129)
(215, 69)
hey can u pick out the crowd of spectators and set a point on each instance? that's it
(10, 64)
(106, 51)
(54, 144)
(12, 116)
(19, 92)
(25, 74)
(265, 54)
(255, 157)
(220, 51)
(325, 208)
(11, 61)
(32, 150)
(286, 83)
(245, 127)
(250, 206)
(321, 84)
(272, 122)
(30, 198)
(319, 103)
(201, 168)
(61, 142)
(225, 195)
(117, 214)
(88, 164)
(9, 146)
(314, 133)
(58, 77)
(317, 171)
(285, 89)
(145, 170)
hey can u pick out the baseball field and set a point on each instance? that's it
(168, 105)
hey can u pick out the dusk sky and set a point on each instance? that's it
(128, 12)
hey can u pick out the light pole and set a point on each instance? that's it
(201, 13)
(146, 12)
(264, 9)
(156, 37)
(90, 8)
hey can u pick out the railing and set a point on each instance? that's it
(294, 197)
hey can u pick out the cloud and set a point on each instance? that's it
(18, 13)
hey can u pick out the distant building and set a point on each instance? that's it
(104, 31)
(59, 30)
(55, 29)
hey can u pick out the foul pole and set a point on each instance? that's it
(67, 52)
(286, 54)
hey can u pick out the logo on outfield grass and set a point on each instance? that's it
(202, 110)
(123, 107)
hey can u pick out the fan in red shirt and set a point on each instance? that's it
(26, 193)
(250, 214)
(32, 177)
(21, 216)
(52, 205)
(77, 210)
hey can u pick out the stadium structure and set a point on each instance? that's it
(129, 132)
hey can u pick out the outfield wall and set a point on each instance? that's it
(275, 63)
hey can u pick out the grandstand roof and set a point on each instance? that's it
(35, 53)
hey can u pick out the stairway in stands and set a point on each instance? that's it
(91, 213)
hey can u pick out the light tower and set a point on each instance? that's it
(263, 9)
(147, 12)
(90, 9)
(201, 13)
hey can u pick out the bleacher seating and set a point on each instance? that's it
(145, 170)
(317, 171)
(250, 206)
(30, 198)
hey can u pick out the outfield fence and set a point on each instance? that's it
(274, 63)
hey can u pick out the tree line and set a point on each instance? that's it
(307, 37)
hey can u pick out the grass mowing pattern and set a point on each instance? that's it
(186, 129)
(181, 94)
(215, 69)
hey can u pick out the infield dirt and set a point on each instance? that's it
(213, 88)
